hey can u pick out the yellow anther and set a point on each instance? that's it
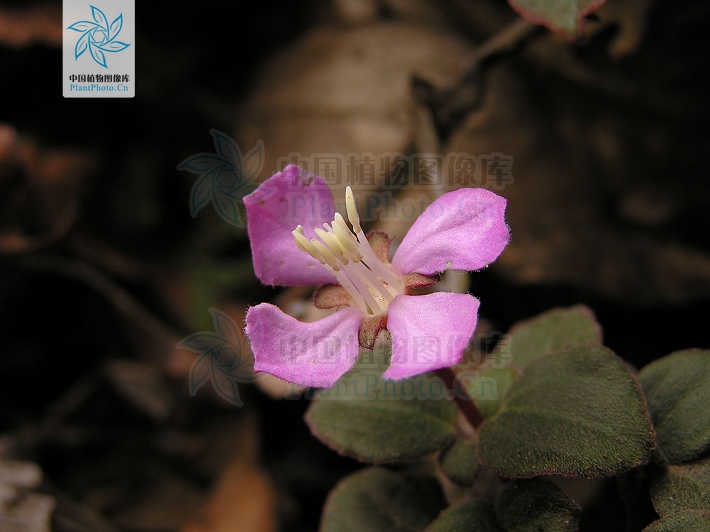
(305, 245)
(332, 242)
(326, 254)
(351, 208)
(346, 238)
(347, 253)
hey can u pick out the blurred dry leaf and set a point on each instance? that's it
(39, 191)
(21, 509)
(20, 474)
(165, 507)
(356, 11)
(277, 388)
(346, 91)
(31, 511)
(8, 145)
(243, 498)
(179, 292)
(631, 16)
(561, 229)
(142, 384)
(422, 12)
(76, 517)
(39, 23)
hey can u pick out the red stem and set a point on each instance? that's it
(464, 401)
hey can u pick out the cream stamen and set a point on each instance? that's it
(348, 255)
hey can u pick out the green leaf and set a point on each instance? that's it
(561, 16)
(378, 420)
(555, 330)
(682, 487)
(536, 504)
(677, 389)
(690, 521)
(466, 516)
(578, 412)
(459, 462)
(378, 500)
(488, 390)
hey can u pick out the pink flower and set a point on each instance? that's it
(298, 239)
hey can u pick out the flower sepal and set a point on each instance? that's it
(370, 329)
(329, 296)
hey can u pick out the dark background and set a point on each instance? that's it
(101, 262)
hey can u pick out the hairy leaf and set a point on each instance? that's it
(379, 500)
(378, 420)
(579, 412)
(489, 389)
(678, 393)
(466, 516)
(682, 487)
(690, 521)
(554, 330)
(459, 461)
(532, 505)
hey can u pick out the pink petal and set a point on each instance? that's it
(429, 332)
(281, 203)
(462, 230)
(310, 354)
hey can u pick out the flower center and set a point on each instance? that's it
(349, 256)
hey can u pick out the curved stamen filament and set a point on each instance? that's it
(367, 292)
(349, 256)
(353, 291)
(346, 238)
(377, 266)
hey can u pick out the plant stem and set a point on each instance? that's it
(464, 401)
